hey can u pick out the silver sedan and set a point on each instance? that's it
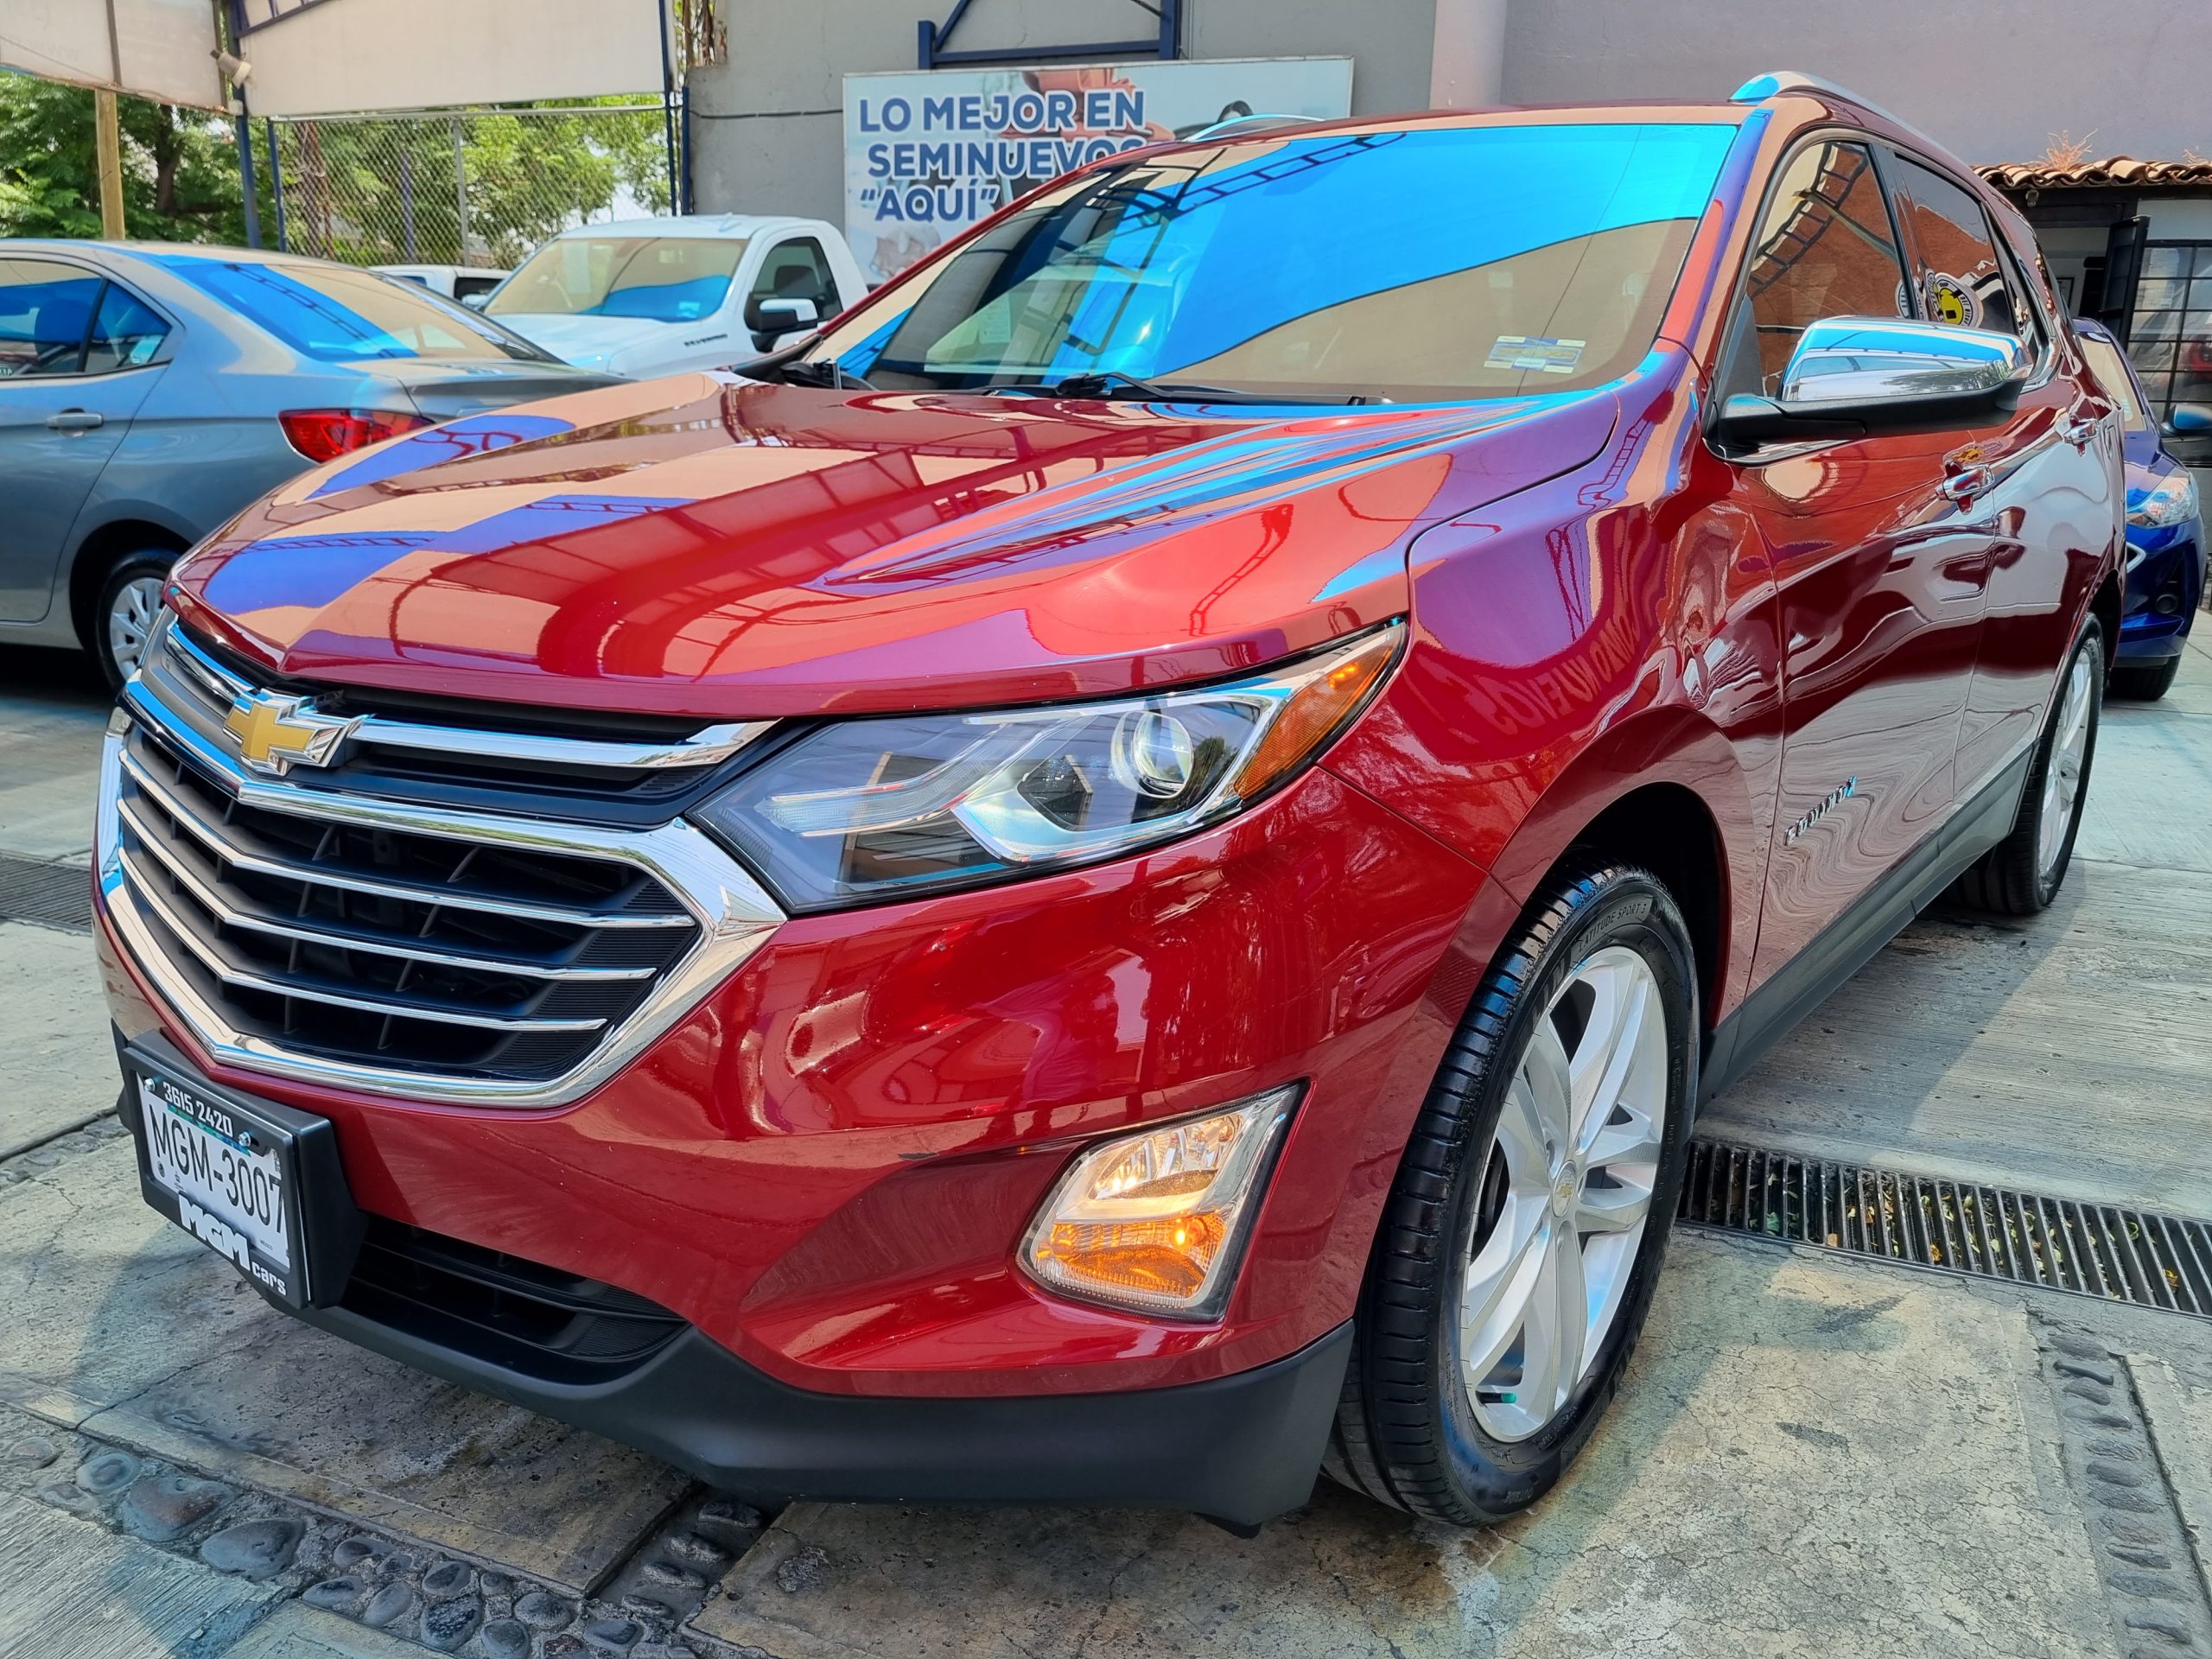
(149, 392)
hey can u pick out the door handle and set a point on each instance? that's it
(75, 420)
(1967, 483)
(2079, 432)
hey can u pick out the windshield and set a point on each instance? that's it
(340, 314)
(660, 278)
(1406, 265)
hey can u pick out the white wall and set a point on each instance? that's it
(416, 54)
(166, 48)
(1991, 80)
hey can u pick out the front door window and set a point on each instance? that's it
(1825, 249)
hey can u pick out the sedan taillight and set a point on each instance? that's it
(327, 434)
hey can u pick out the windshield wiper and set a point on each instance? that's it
(825, 371)
(1112, 383)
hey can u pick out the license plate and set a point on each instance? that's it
(256, 1182)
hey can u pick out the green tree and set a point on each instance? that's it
(390, 189)
(370, 191)
(533, 176)
(179, 168)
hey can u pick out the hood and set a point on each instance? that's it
(602, 342)
(709, 546)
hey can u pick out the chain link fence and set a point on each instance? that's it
(463, 187)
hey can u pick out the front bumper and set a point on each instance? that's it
(825, 1168)
(2164, 587)
(1242, 1448)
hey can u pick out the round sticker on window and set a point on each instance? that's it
(1950, 301)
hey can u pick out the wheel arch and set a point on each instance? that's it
(1667, 792)
(2105, 606)
(96, 555)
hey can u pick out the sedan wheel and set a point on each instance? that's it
(122, 617)
(1521, 1238)
(130, 619)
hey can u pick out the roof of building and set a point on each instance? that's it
(2121, 172)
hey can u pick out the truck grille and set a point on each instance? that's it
(390, 947)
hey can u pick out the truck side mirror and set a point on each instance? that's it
(774, 319)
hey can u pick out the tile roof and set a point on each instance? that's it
(2125, 172)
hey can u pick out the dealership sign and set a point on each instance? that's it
(929, 153)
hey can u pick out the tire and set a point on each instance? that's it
(2022, 872)
(2139, 685)
(122, 614)
(1410, 1429)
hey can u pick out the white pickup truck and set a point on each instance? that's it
(649, 296)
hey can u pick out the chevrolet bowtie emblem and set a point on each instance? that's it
(275, 733)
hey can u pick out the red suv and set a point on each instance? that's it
(1119, 880)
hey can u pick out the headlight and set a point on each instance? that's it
(895, 806)
(2172, 502)
(1157, 1221)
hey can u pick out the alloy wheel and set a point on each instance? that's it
(2061, 780)
(1566, 1194)
(130, 619)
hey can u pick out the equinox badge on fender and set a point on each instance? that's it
(1820, 809)
(275, 733)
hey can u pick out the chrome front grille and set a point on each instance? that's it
(189, 676)
(384, 945)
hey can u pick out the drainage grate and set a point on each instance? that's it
(1988, 1232)
(52, 895)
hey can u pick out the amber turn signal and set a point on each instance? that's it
(1317, 708)
(1156, 1221)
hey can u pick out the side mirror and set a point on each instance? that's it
(474, 301)
(1850, 376)
(2189, 420)
(773, 319)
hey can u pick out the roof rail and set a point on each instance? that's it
(1775, 82)
(1242, 126)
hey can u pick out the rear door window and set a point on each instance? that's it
(1961, 279)
(45, 311)
(1826, 249)
(126, 332)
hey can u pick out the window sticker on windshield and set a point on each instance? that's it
(1541, 353)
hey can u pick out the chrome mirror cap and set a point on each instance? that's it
(1875, 360)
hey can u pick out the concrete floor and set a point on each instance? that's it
(1813, 1455)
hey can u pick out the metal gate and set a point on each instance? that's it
(462, 186)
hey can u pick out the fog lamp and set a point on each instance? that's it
(1156, 1221)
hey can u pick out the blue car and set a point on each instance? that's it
(148, 393)
(2166, 534)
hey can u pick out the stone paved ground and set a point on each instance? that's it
(1814, 1456)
